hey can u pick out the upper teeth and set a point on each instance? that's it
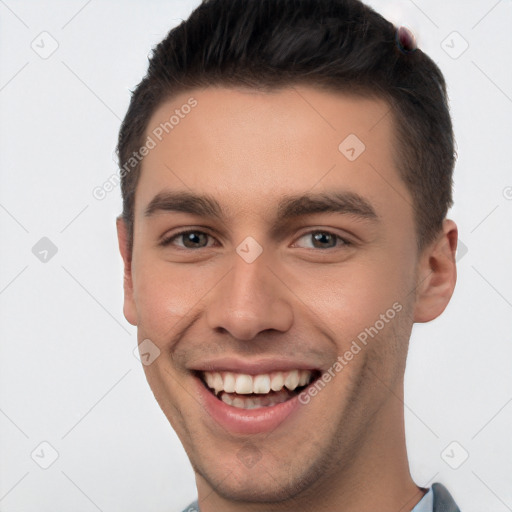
(245, 384)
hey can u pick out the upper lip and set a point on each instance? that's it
(252, 367)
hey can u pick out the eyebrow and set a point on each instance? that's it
(290, 207)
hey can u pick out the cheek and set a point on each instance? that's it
(164, 295)
(347, 300)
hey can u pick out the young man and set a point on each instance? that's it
(286, 174)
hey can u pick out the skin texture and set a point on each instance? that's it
(345, 450)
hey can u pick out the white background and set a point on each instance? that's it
(68, 374)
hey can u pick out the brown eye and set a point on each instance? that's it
(190, 239)
(324, 240)
(320, 239)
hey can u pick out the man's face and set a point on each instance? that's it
(273, 285)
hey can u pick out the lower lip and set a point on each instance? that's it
(246, 421)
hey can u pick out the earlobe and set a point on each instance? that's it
(129, 309)
(437, 274)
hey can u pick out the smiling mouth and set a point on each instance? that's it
(255, 391)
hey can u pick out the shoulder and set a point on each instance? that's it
(443, 500)
(193, 507)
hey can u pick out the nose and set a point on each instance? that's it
(251, 298)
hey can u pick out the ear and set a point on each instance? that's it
(437, 274)
(129, 309)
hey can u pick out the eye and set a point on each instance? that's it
(325, 240)
(195, 239)
(192, 239)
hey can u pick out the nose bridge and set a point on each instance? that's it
(250, 299)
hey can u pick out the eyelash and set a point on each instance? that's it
(167, 241)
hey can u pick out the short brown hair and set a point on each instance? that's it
(340, 45)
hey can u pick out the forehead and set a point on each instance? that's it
(248, 147)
